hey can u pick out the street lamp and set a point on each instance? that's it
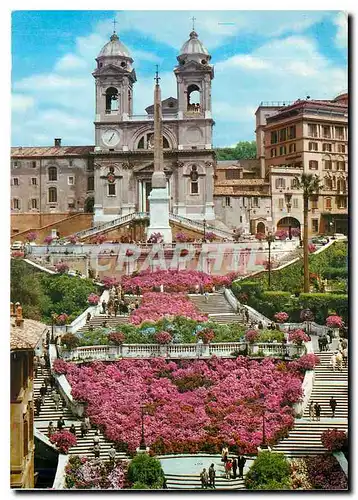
(142, 445)
(270, 239)
(204, 239)
(52, 323)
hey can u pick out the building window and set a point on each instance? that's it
(313, 165)
(328, 202)
(326, 132)
(274, 137)
(341, 148)
(71, 205)
(52, 195)
(328, 164)
(111, 190)
(280, 183)
(194, 188)
(295, 203)
(34, 203)
(292, 147)
(328, 183)
(255, 202)
(34, 181)
(273, 152)
(283, 135)
(71, 180)
(90, 183)
(339, 133)
(341, 165)
(240, 218)
(312, 130)
(227, 201)
(280, 203)
(33, 164)
(70, 163)
(52, 174)
(292, 132)
(16, 203)
(294, 183)
(326, 147)
(314, 202)
(15, 181)
(313, 146)
(232, 174)
(315, 225)
(342, 202)
(282, 150)
(16, 163)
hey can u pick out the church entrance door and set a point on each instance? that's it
(148, 188)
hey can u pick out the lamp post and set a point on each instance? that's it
(142, 445)
(204, 238)
(270, 239)
(52, 323)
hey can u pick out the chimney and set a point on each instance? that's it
(57, 142)
(19, 321)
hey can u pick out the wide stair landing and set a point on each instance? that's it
(48, 413)
(97, 322)
(217, 307)
(305, 437)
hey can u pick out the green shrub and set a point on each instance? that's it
(248, 287)
(146, 470)
(271, 335)
(332, 273)
(140, 486)
(321, 303)
(269, 469)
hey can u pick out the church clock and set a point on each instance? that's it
(110, 137)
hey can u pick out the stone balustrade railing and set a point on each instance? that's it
(180, 351)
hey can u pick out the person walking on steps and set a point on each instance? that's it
(234, 467)
(212, 475)
(104, 307)
(83, 429)
(333, 405)
(345, 357)
(96, 438)
(311, 411)
(333, 361)
(50, 430)
(88, 423)
(224, 454)
(228, 467)
(204, 479)
(317, 409)
(43, 391)
(56, 399)
(73, 429)
(339, 360)
(112, 454)
(206, 295)
(96, 450)
(38, 403)
(241, 463)
(60, 423)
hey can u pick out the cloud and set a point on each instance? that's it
(341, 38)
(21, 102)
(244, 61)
(70, 62)
(142, 55)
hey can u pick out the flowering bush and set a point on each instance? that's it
(72, 239)
(260, 236)
(156, 305)
(206, 335)
(109, 281)
(129, 252)
(334, 322)
(60, 367)
(31, 236)
(252, 336)
(333, 439)
(99, 239)
(60, 319)
(210, 236)
(298, 337)
(83, 473)
(155, 238)
(64, 440)
(69, 340)
(296, 231)
(306, 315)
(17, 254)
(325, 473)
(281, 234)
(304, 363)
(48, 239)
(62, 267)
(117, 337)
(173, 281)
(163, 337)
(93, 299)
(299, 475)
(281, 317)
(224, 407)
(181, 237)
(311, 248)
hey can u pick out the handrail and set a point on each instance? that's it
(199, 224)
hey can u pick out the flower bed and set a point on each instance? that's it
(64, 440)
(83, 473)
(334, 439)
(325, 473)
(191, 406)
(173, 281)
(155, 306)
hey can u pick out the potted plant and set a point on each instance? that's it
(281, 317)
(335, 322)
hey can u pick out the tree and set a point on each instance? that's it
(26, 289)
(146, 471)
(310, 184)
(244, 150)
(269, 470)
(89, 204)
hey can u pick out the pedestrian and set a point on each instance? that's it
(104, 324)
(96, 450)
(212, 475)
(224, 453)
(241, 463)
(96, 438)
(247, 315)
(204, 478)
(73, 429)
(228, 467)
(50, 429)
(56, 399)
(137, 291)
(38, 406)
(35, 365)
(104, 307)
(47, 360)
(311, 411)
(344, 344)
(88, 317)
(43, 391)
(333, 405)
(115, 307)
(136, 304)
(88, 423)
(83, 429)
(112, 454)
(333, 361)
(42, 364)
(234, 467)
(317, 409)
(261, 325)
(60, 423)
(206, 295)
(345, 357)
(339, 360)
(320, 339)
(47, 382)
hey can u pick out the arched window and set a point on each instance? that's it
(52, 195)
(52, 174)
(111, 99)
(328, 183)
(193, 98)
(147, 141)
(194, 180)
(90, 183)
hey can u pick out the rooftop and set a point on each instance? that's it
(27, 336)
(51, 150)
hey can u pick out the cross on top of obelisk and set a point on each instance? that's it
(114, 25)
(157, 77)
(193, 19)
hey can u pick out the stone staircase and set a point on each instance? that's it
(305, 437)
(217, 307)
(97, 321)
(48, 413)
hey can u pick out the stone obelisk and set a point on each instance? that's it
(159, 198)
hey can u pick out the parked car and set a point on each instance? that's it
(320, 240)
(17, 245)
(340, 236)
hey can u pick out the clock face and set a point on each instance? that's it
(110, 137)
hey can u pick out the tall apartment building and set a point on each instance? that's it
(309, 136)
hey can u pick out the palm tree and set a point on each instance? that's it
(310, 184)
